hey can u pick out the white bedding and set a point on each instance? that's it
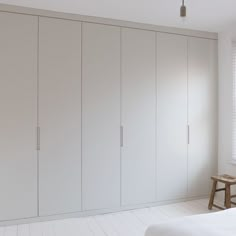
(221, 223)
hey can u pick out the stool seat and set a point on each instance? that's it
(227, 180)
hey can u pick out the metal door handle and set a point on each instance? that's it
(188, 134)
(38, 138)
(121, 136)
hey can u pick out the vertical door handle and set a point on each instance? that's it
(121, 136)
(38, 138)
(188, 134)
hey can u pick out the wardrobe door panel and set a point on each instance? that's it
(171, 117)
(202, 112)
(101, 116)
(138, 116)
(59, 116)
(18, 105)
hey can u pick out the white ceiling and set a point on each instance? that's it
(209, 15)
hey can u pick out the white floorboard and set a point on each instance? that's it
(127, 223)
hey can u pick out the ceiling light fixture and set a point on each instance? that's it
(183, 10)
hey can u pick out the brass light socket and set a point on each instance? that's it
(183, 11)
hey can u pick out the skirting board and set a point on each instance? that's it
(93, 212)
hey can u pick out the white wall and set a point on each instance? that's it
(225, 103)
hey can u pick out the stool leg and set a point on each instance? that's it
(227, 196)
(213, 191)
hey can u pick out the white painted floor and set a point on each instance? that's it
(127, 223)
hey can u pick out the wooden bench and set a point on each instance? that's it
(227, 180)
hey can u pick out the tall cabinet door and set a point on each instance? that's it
(18, 106)
(202, 113)
(171, 116)
(138, 116)
(59, 116)
(101, 116)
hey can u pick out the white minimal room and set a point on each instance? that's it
(118, 118)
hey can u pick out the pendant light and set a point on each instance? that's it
(183, 10)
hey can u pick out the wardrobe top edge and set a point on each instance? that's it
(106, 21)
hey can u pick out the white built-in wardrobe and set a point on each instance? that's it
(96, 117)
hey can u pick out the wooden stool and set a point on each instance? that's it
(227, 180)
